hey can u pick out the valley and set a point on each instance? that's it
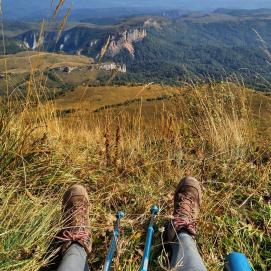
(192, 46)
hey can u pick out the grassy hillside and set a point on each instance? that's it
(45, 70)
(131, 156)
(92, 98)
(30, 61)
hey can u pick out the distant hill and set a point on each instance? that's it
(31, 7)
(244, 12)
(80, 15)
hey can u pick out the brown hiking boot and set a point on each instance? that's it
(187, 201)
(75, 208)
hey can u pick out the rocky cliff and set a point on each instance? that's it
(29, 40)
(83, 40)
(125, 40)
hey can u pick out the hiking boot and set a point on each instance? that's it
(187, 201)
(75, 208)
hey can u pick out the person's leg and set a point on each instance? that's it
(75, 259)
(236, 261)
(185, 255)
(74, 239)
(181, 232)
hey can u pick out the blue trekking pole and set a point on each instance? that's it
(237, 262)
(147, 250)
(114, 242)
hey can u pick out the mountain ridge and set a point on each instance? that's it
(34, 9)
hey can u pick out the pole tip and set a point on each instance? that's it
(120, 215)
(154, 210)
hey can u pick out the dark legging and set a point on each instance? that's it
(185, 256)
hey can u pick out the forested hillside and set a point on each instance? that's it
(191, 49)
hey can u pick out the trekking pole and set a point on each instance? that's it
(114, 242)
(147, 250)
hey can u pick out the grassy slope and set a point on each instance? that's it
(92, 98)
(85, 98)
(16, 69)
(262, 112)
(130, 157)
(39, 61)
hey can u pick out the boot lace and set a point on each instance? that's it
(74, 236)
(184, 214)
(78, 216)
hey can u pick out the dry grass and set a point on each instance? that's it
(130, 157)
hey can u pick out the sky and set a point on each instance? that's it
(20, 8)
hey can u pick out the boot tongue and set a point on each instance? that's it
(190, 191)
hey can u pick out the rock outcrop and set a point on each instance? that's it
(113, 66)
(125, 40)
(29, 40)
(152, 23)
